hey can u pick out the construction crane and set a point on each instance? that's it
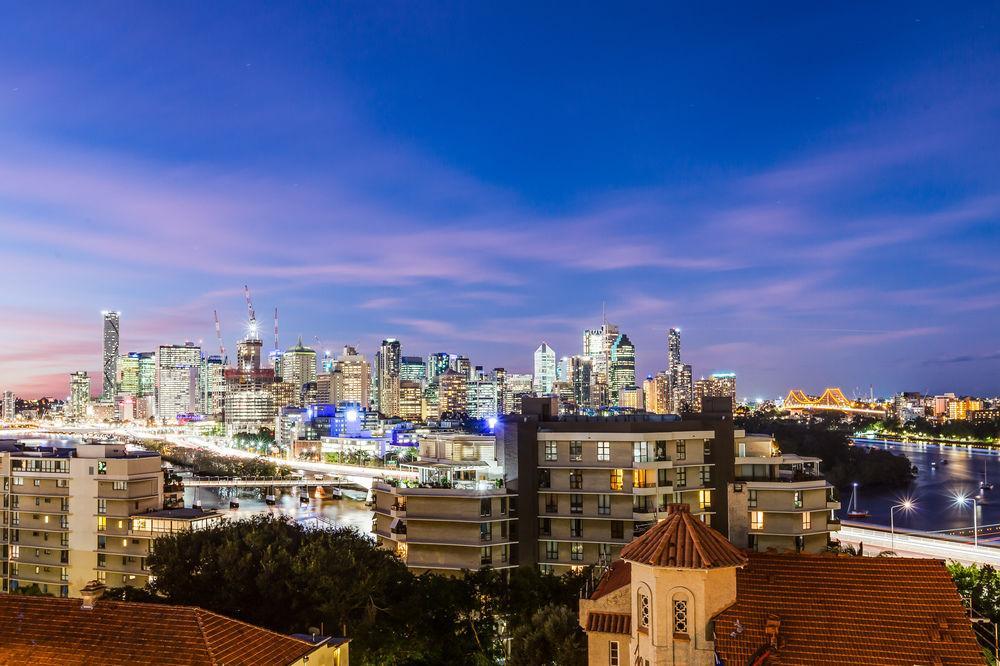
(252, 323)
(218, 334)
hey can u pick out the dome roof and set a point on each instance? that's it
(682, 541)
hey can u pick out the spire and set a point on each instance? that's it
(683, 541)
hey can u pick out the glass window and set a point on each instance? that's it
(617, 529)
(797, 499)
(617, 479)
(576, 528)
(576, 479)
(807, 520)
(485, 556)
(102, 467)
(752, 498)
(576, 552)
(550, 451)
(640, 451)
(102, 506)
(705, 474)
(576, 451)
(680, 616)
(102, 523)
(756, 520)
(545, 526)
(661, 450)
(486, 531)
(552, 550)
(708, 448)
(705, 499)
(681, 450)
(613, 654)
(551, 503)
(662, 478)
(604, 451)
(544, 478)
(604, 505)
(682, 477)
(576, 503)
(485, 507)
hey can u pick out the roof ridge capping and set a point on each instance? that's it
(682, 541)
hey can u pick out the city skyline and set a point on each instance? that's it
(810, 211)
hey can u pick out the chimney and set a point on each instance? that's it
(91, 593)
(772, 630)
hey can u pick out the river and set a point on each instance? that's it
(935, 488)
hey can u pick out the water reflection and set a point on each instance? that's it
(954, 472)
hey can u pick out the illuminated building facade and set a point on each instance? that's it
(452, 393)
(8, 406)
(656, 392)
(112, 339)
(545, 369)
(79, 395)
(351, 378)
(177, 381)
(716, 385)
(298, 368)
(385, 397)
(621, 367)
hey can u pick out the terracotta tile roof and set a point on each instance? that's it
(46, 630)
(681, 540)
(619, 574)
(864, 611)
(609, 623)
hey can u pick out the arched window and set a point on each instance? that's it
(680, 616)
(643, 611)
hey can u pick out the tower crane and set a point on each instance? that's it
(253, 334)
(276, 347)
(218, 335)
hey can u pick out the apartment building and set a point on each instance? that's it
(457, 515)
(779, 501)
(588, 485)
(73, 512)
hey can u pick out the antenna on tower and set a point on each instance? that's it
(218, 335)
(276, 347)
(604, 313)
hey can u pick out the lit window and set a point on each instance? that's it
(576, 552)
(102, 467)
(643, 612)
(640, 451)
(550, 451)
(680, 616)
(681, 450)
(797, 499)
(807, 520)
(576, 451)
(604, 451)
(756, 520)
(102, 523)
(704, 500)
(617, 479)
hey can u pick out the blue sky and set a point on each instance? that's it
(810, 193)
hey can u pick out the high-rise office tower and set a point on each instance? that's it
(579, 371)
(412, 369)
(248, 354)
(500, 381)
(545, 369)
(298, 366)
(112, 336)
(213, 386)
(453, 393)
(621, 367)
(481, 399)
(351, 378)
(462, 364)
(597, 347)
(79, 394)
(8, 407)
(137, 374)
(437, 364)
(177, 380)
(388, 360)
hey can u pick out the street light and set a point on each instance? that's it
(905, 505)
(962, 500)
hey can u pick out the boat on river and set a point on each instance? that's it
(853, 511)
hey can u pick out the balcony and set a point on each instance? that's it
(397, 511)
(645, 488)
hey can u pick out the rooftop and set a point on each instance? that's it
(683, 541)
(191, 513)
(862, 611)
(49, 630)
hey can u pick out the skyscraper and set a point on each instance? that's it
(412, 369)
(545, 369)
(8, 407)
(673, 351)
(298, 366)
(388, 361)
(351, 378)
(437, 364)
(718, 385)
(580, 369)
(621, 367)
(79, 394)
(597, 347)
(656, 392)
(500, 380)
(177, 380)
(681, 390)
(112, 335)
(213, 386)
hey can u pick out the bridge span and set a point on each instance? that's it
(876, 539)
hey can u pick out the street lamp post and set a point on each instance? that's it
(961, 500)
(906, 505)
